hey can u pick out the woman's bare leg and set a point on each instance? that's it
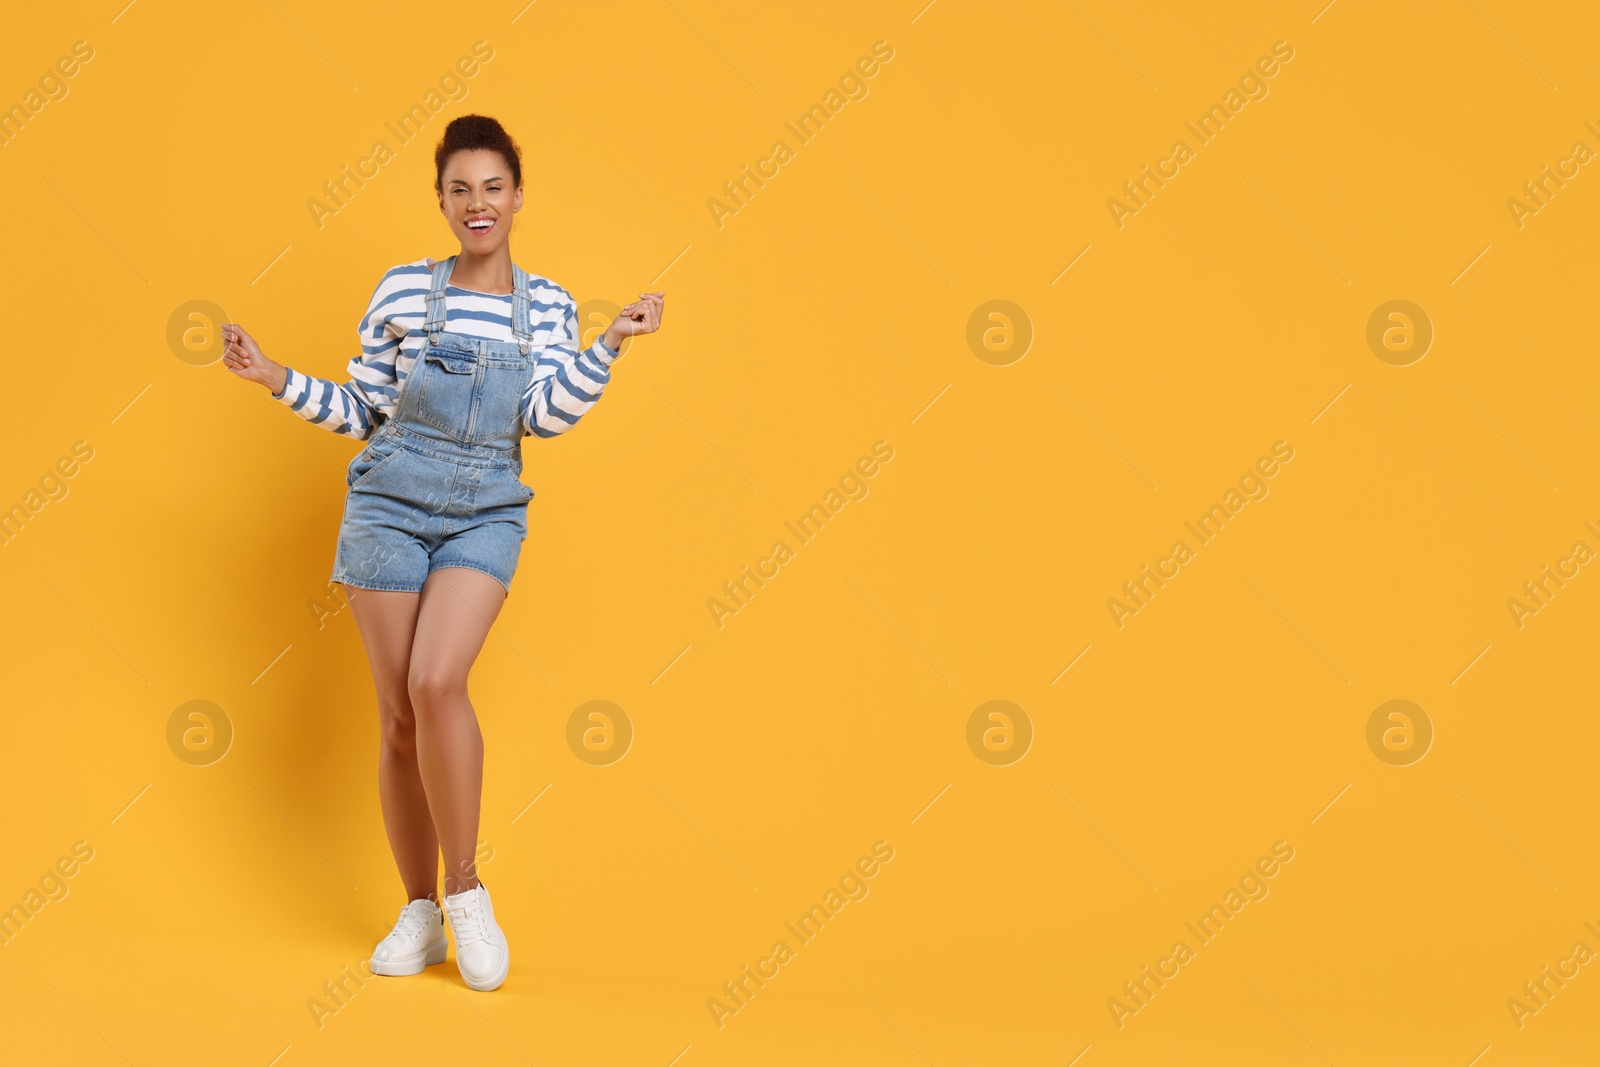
(458, 607)
(387, 623)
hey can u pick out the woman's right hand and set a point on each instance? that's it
(244, 357)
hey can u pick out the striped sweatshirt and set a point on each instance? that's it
(566, 383)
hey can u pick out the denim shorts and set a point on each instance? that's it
(415, 504)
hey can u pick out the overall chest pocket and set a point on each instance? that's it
(447, 387)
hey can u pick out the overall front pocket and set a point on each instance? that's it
(368, 461)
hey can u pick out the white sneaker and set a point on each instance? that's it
(482, 955)
(416, 940)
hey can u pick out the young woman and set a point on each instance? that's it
(460, 359)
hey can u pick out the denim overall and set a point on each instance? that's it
(439, 484)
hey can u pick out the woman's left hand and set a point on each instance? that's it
(640, 317)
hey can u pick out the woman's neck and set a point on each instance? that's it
(486, 273)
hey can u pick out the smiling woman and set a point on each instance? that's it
(450, 379)
(481, 215)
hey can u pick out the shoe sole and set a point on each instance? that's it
(490, 984)
(434, 953)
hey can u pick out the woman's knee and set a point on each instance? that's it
(433, 690)
(397, 724)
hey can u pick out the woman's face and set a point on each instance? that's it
(477, 187)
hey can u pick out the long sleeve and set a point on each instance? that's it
(352, 408)
(566, 383)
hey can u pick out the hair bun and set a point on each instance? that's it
(467, 133)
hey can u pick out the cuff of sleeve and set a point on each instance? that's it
(604, 352)
(289, 384)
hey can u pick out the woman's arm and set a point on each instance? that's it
(348, 408)
(566, 383)
(576, 380)
(351, 409)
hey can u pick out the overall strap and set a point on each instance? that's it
(435, 299)
(521, 301)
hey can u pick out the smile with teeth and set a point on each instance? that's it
(479, 224)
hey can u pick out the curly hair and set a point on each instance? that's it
(468, 132)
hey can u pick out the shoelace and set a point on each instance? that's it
(467, 921)
(411, 921)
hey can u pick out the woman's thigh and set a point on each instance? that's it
(387, 622)
(458, 607)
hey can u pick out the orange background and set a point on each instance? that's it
(187, 558)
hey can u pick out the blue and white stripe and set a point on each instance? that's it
(566, 383)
